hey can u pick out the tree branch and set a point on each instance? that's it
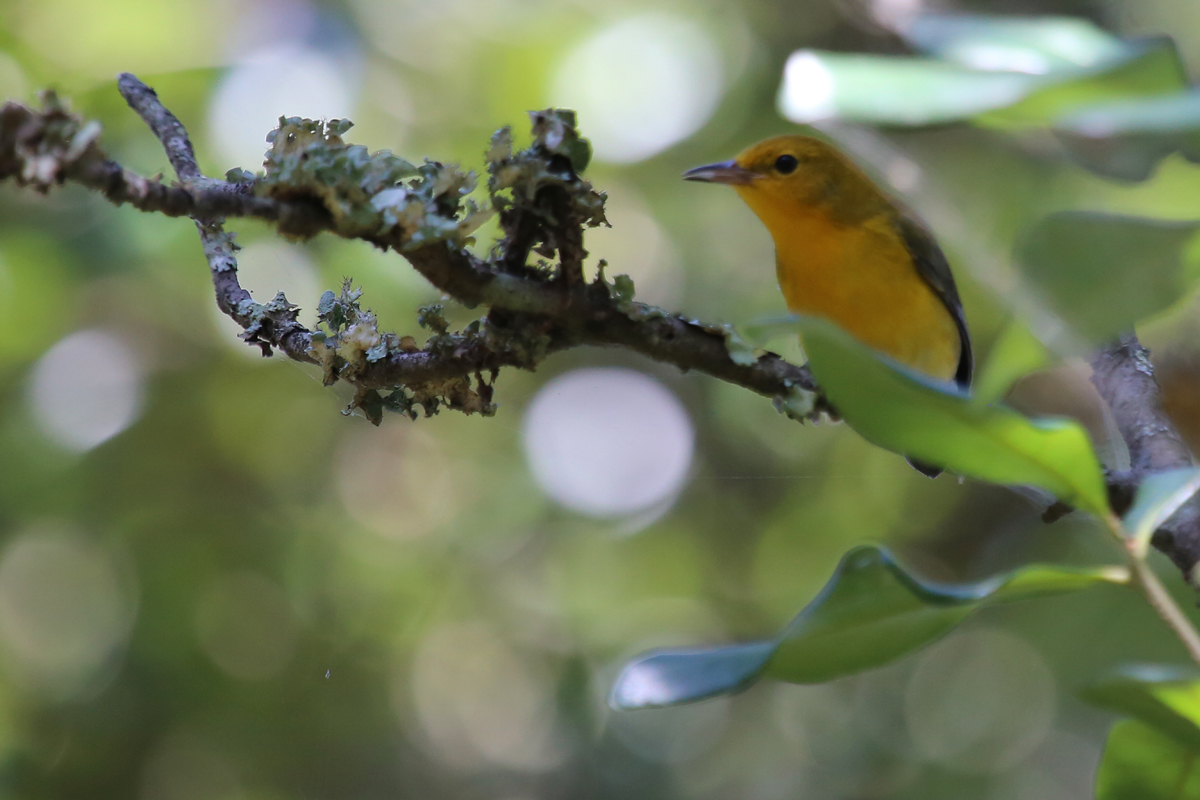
(1124, 376)
(533, 313)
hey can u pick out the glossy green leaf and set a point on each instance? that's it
(1034, 45)
(871, 612)
(1142, 763)
(902, 411)
(1016, 353)
(891, 90)
(1158, 497)
(1126, 139)
(1105, 272)
(1118, 107)
(1166, 698)
(669, 677)
(1143, 70)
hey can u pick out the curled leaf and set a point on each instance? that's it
(870, 612)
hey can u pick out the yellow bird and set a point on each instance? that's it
(847, 252)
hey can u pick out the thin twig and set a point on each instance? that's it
(1143, 577)
(165, 125)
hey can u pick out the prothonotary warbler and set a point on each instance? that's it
(847, 252)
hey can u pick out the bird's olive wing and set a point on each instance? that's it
(932, 265)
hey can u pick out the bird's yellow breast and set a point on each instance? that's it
(862, 277)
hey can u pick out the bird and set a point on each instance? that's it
(848, 252)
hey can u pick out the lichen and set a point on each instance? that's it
(50, 140)
(269, 323)
(348, 339)
(556, 157)
(368, 194)
(799, 405)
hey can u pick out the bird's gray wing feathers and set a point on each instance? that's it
(932, 266)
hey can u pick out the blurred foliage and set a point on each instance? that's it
(244, 593)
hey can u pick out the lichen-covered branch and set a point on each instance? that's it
(315, 182)
(1124, 376)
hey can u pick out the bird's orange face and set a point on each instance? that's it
(792, 176)
(785, 172)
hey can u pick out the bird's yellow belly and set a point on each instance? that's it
(864, 280)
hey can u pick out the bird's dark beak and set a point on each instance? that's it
(723, 172)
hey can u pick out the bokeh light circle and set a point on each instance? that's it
(245, 624)
(63, 610)
(608, 442)
(980, 701)
(807, 91)
(641, 85)
(480, 704)
(183, 766)
(639, 247)
(85, 389)
(284, 81)
(673, 735)
(397, 481)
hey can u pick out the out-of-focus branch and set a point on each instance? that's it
(1124, 377)
(533, 311)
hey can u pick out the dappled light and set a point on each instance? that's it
(661, 90)
(64, 611)
(286, 79)
(481, 705)
(980, 701)
(86, 389)
(245, 624)
(608, 442)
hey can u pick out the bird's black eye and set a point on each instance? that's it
(786, 164)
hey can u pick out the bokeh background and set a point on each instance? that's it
(215, 585)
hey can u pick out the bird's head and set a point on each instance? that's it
(787, 175)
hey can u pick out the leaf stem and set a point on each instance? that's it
(1157, 595)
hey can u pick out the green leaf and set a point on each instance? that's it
(671, 677)
(1144, 69)
(892, 90)
(741, 352)
(1165, 698)
(1158, 497)
(886, 90)
(1140, 763)
(1016, 353)
(871, 612)
(622, 290)
(933, 421)
(1020, 44)
(1105, 272)
(1126, 139)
